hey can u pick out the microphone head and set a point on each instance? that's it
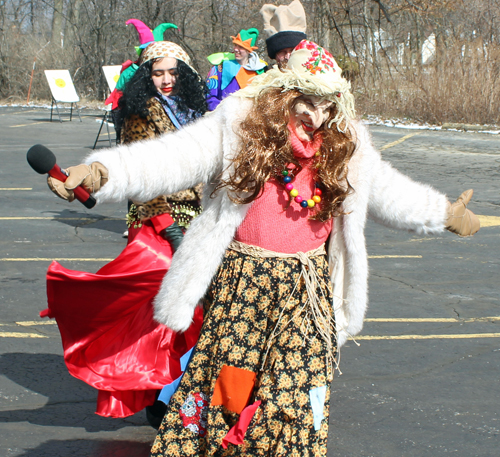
(41, 159)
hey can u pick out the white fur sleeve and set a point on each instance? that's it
(396, 200)
(399, 202)
(164, 165)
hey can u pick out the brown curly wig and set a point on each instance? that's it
(266, 151)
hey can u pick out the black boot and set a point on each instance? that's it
(155, 413)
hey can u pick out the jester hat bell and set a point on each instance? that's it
(247, 39)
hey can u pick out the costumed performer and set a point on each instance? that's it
(233, 71)
(106, 321)
(284, 28)
(129, 67)
(278, 254)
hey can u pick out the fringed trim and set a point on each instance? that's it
(324, 322)
(338, 92)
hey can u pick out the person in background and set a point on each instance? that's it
(233, 71)
(284, 28)
(129, 67)
(146, 37)
(109, 337)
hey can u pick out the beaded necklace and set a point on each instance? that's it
(294, 193)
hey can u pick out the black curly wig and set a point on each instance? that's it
(191, 91)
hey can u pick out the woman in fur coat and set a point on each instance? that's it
(109, 336)
(278, 257)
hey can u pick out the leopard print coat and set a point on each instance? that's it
(183, 205)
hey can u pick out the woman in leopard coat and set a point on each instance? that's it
(109, 336)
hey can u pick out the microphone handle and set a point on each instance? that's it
(80, 193)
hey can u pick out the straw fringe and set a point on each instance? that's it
(321, 316)
(290, 79)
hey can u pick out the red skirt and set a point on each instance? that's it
(109, 336)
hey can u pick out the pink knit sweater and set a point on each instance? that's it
(267, 223)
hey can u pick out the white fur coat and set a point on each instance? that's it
(202, 151)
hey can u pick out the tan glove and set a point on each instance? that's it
(462, 221)
(92, 177)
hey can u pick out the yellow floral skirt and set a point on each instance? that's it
(258, 383)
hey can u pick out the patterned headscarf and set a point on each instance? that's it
(160, 49)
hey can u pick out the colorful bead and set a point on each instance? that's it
(294, 193)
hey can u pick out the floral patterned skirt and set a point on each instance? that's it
(258, 383)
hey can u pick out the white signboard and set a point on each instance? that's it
(61, 86)
(112, 74)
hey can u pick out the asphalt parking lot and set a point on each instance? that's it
(421, 380)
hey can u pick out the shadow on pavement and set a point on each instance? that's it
(70, 402)
(89, 448)
(94, 221)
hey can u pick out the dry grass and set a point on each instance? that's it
(462, 87)
(458, 88)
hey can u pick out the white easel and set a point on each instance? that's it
(63, 91)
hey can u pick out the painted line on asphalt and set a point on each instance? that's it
(489, 221)
(32, 323)
(394, 256)
(21, 335)
(395, 143)
(428, 337)
(27, 125)
(50, 259)
(16, 188)
(50, 218)
(433, 319)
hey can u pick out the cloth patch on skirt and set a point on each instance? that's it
(233, 388)
(237, 433)
(194, 413)
(170, 389)
(317, 397)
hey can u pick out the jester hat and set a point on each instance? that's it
(247, 39)
(148, 36)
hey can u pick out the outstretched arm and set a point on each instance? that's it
(145, 169)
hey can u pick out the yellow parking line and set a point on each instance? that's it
(433, 319)
(16, 188)
(50, 259)
(32, 323)
(394, 256)
(395, 143)
(427, 337)
(50, 218)
(26, 125)
(21, 335)
(489, 221)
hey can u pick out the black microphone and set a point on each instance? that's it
(43, 161)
